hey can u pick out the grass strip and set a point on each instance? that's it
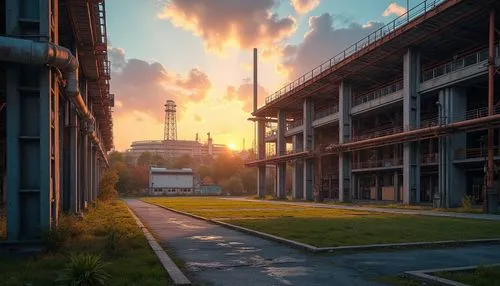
(129, 259)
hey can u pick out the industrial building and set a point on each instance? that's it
(170, 182)
(170, 147)
(56, 120)
(177, 148)
(407, 114)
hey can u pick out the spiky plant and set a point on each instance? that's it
(84, 270)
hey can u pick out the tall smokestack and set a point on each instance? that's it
(255, 83)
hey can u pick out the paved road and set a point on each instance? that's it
(215, 255)
(381, 210)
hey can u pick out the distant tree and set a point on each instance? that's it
(145, 159)
(204, 171)
(226, 166)
(207, 180)
(184, 161)
(115, 157)
(140, 175)
(249, 179)
(125, 179)
(159, 161)
(233, 186)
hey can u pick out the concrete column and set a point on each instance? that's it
(452, 179)
(396, 186)
(411, 120)
(261, 155)
(298, 169)
(308, 144)
(281, 150)
(345, 132)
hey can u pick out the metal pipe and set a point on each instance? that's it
(491, 94)
(35, 53)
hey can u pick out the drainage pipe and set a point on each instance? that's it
(36, 53)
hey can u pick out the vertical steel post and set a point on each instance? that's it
(491, 94)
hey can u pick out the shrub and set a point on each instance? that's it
(113, 237)
(107, 184)
(84, 270)
(56, 237)
(467, 202)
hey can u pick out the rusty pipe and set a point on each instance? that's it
(36, 53)
(426, 131)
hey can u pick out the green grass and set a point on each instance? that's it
(132, 264)
(333, 227)
(482, 276)
(402, 281)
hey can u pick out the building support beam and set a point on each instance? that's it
(281, 150)
(490, 176)
(298, 169)
(411, 120)
(345, 133)
(452, 179)
(261, 155)
(308, 144)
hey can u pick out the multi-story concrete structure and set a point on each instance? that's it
(176, 148)
(401, 115)
(56, 123)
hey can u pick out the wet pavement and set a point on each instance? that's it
(215, 255)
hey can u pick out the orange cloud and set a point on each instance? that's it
(222, 23)
(304, 6)
(144, 87)
(394, 9)
(244, 94)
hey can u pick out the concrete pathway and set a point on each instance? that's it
(380, 210)
(215, 255)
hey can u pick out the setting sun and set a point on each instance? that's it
(232, 146)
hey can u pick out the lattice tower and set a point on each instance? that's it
(170, 129)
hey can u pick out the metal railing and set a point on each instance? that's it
(294, 124)
(325, 112)
(418, 10)
(373, 133)
(429, 158)
(378, 93)
(391, 162)
(452, 66)
(474, 153)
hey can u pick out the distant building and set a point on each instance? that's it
(163, 181)
(176, 148)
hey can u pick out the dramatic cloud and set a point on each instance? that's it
(321, 42)
(117, 57)
(304, 6)
(394, 9)
(221, 23)
(244, 94)
(144, 87)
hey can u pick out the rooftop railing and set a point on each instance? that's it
(325, 112)
(418, 10)
(390, 162)
(474, 153)
(378, 93)
(377, 132)
(452, 66)
(294, 124)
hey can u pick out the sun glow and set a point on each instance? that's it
(231, 146)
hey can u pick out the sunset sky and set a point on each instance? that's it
(199, 53)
